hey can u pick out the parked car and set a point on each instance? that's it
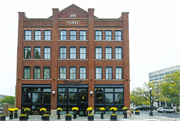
(144, 108)
(166, 109)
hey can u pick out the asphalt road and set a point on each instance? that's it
(169, 115)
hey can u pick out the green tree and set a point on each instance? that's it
(170, 88)
(8, 99)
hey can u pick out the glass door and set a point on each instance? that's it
(83, 102)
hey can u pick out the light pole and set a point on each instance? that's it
(151, 113)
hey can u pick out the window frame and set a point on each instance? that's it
(70, 73)
(49, 69)
(46, 53)
(72, 35)
(99, 35)
(24, 73)
(60, 71)
(108, 73)
(70, 52)
(47, 35)
(27, 35)
(101, 73)
(62, 53)
(83, 73)
(37, 35)
(24, 52)
(108, 53)
(121, 70)
(101, 53)
(117, 53)
(108, 35)
(117, 35)
(82, 35)
(34, 73)
(34, 52)
(62, 35)
(82, 53)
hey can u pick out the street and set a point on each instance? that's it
(169, 115)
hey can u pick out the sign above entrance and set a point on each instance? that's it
(72, 22)
(72, 82)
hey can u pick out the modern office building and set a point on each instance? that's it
(73, 59)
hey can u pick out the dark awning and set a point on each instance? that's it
(108, 85)
(72, 85)
(36, 85)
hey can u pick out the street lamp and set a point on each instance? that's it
(151, 113)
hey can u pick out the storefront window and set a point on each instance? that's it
(118, 98)
(109, 98)
(62, 98)
(99, 98)
(72, 98)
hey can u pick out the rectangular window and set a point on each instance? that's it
(98, 53)
(98, 73)
(63, 53)
(37, 53)
(108, 35)
(108, 73)
(118, 98)
(82, 35)
(72, 73)
(73, 35)
(63, 35)
(118, 73)
(99, 98)
(82, 72)
(47, 53)
(108, 52)
(72, 98)
(27, 34)
(47, 35)
(37, 73)
(82, 53)
(62, 71)
(118, 53)
(98, 35)
(27, 72)
(27, 53)
(62, 98)
(37, 35)
(46, 72)
(108, 98)
(72, 53)
(118, 35)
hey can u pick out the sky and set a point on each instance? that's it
(154, 33)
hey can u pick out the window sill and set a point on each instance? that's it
(109, 40)
(109, 59)
(73, 59)
(72, 79)
(36, 79)
(38, 59)
(72, 40)
(108, 79)
(37, 40)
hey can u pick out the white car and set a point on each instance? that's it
(166, 109)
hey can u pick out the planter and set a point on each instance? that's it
(15, 114)
(58, 114)
(3, 118)
(137, 113)
(23, 118)
(11, 115)
(45, 118)
(102, 114)
(113, 118)
(68, 118)
(125, 114)
(74, 114)
(90, 118)
(27, 113)
(42, 112)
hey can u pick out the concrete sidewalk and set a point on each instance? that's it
(141, 117)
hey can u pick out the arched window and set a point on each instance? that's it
(72, 72)
(82, 53)
(27, 72)
(82, 35)
(72, 53)
(108, 53)
(82, 72)
(63, 52)
(108, 72)
(37, 52)
(118, 52)
(62, 72)
(108, 35)
(46, 72)
(98, 35)
(27, 52)
(63, 35)
(37, 72)
(98, 72)
(72, 34)
(98, 52)
(47, 52)
(118, 35)
(118, 72)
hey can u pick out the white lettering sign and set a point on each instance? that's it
(72, 22)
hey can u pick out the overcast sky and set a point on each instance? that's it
(154, 33)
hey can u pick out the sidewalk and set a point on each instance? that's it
(141, 117)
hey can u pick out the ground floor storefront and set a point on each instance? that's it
(72, 95)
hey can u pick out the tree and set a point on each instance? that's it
(8, 99)
(170, 88)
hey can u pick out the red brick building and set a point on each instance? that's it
(73, 59)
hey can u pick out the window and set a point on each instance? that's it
(118, 73)
(108, 53)
(150, 76)
(47, 53)
(37, 72)
(37, 52)
(27, 52)
(72, 53)
(63, 35)
(73, 35)
(108, 35)
(46, 73)
(47, 35)
(82, 72)
(82, 35)
(98, 72)
(98, 52)
(167, 72)
(62, 71)
(108, 72)
(27, 35)
(161, 74)
(62, 52)
(156, 75)
(98, 35)
(37, 35)
(82, 54)
(118, 35)
(118, 53)
(72, 73)
(27, 72)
